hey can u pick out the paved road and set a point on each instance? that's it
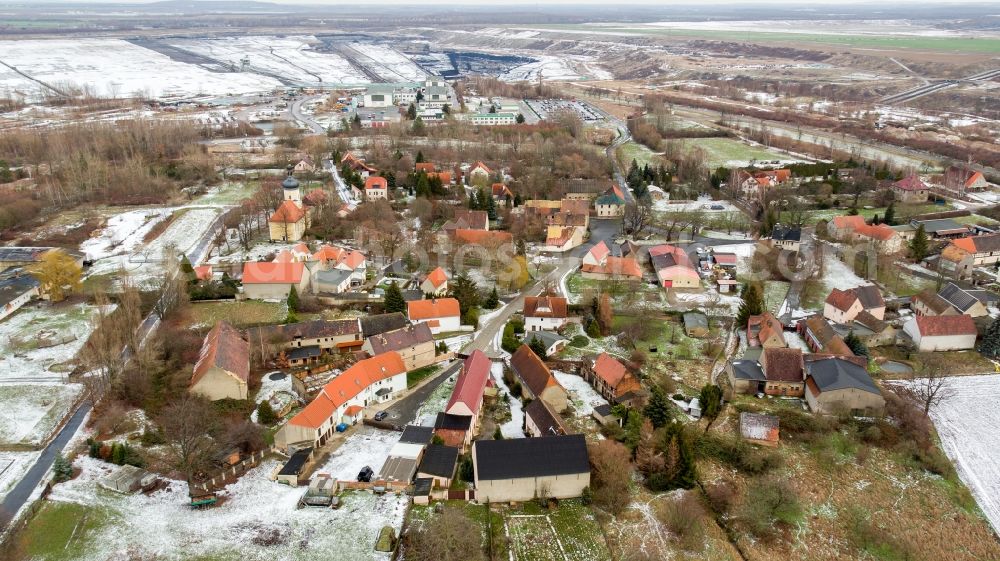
(404, 411)
(296, 111)
(19, 495)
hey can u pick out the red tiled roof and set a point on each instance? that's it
(910, 183)
(287, 213)
(609, 369)
(782, 365)
(203, 272)
(545, 307)
(472, 381)
(841, 299)
(480, 165)
(482, 237)
(376, 182)
(426, 167)
(272, 273)
(933, 326)
(876, 232)
(622, 266)
(499, 190)
(848, 222)
(437, 277)
(600, 251)
(431, 309)
(226, 348)
(348, 385)
(475, 219)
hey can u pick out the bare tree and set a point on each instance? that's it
(171, 288)
(189, 426)
(929, 384)
(636, 219)
(102, 354)
(449, 536)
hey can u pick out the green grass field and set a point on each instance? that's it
(933, 44)
(721, 151)
(638, 152)
(240, 314)
(60, 531)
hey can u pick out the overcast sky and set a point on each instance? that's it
(604, 3)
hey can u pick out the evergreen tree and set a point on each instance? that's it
(394, 301)
(890, 214)
(856, 345)
(752, 304)
(710, 399)
(423, 186)
(918, 245)
(418, 127)
(593, 329)
(266, 414)
(679, 465)
(519, 119)
(411, 112)
(117, 453)
(464, 289)
(390, 180)
(633, 429)
(538, 346)
(493, 300)
(293, 300)
(420, 157)
(518, 201)
(62, 470)
(991, 340)
(497, 434)
(474, 200)
(491, 208)
(658, 408)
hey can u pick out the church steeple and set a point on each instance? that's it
(290, 187)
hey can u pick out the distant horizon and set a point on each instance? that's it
(544, 3)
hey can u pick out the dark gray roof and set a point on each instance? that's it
(452, 422)
(985, 296)
(12, 288)
(422, 486)
(832, 373)
(30, 254)
(870, 296)
(748, 370)
(398, 339)
(378, 324)
(439, 460)
(695, 319)
(786, 233)
(299, 353)
(603, 410)
(415, 434)
(295, 464)
(411, 295)
(939, 225)
(531, 457)
(544, 418)
(957, 297)
(548, 338)
(752, 353)
(332, 276)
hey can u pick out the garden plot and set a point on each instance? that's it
(13, 466)
(38, 343)
(435, 403)
(366, 447)
(113, 67)
(968, 424)
(33, 412)
(568, 533)
(257, 520)
(582, 396)
(290, 57)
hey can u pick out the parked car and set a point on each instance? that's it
(366, 474)
(381, 415)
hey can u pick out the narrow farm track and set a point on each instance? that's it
(36, 80)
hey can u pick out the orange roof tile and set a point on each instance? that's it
(287, 213)
(482, 237)
(347, 386)
(437, 277)
(434, 308)
(272, 273)
(849, 222)
(376, 182)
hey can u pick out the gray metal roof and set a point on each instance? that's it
(548, 338)
(335, 277)
(834, 373)
(14, 287)
(695, 319)
(748, 370)
(786, 233)
(939, 225)
(439, 460)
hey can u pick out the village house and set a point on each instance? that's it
(325, 335)
(610, 378)
(435, 283)
(352, 261)
(586, 189)
(501, 193)
(842, 227)
(941, 333)
(746, 376)
(16, 291)
(782, 371)
(966, 301)
(376, 189)
(439, 463)
(962, 255)
(414, 343)
(289, 221)
(469, 220)
(786, 238)
(837, 385)
(467, 398)
(537, 381)
(381, 323)
(522, 469)
(765, 331)
(333, 281)
(551, 341)
(223, 367)
(274, 280)
(442, 315)
(820, 336)
(853, 229)
(369, 381)
(611, 204)
(305, 165)
(540, 420)
(357, 165)
(842, 306)
(870, 330)
(673, 267)
(545, 313)
(479, 174)
(487, 239)
(599, 263)
(962, 180)
(910, 189)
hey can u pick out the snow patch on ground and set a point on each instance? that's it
(582, 395)
(164, 526)
(514, 428)
(38, 342)
(13, 466)
(123, 233)
(836, 274)
(795, 341)
(744, 255)
(968, 423)
(32, 412)
(436, 402)
(366, 447)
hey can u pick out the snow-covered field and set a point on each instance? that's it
(254, 511)
(123, 233)
(968, 424)
(388, 63)
(836, 274)
(32, 412)
(366, 447)
(292, 57)
(38, 341)
(581, 394)
(557, 68)
(115, 67)
(13, 466)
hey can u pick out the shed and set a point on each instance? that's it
(695, 324)
(295, 466)
(438, 464)
(759, 428)
(422, 490)
(127, 479)
(605, 416)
